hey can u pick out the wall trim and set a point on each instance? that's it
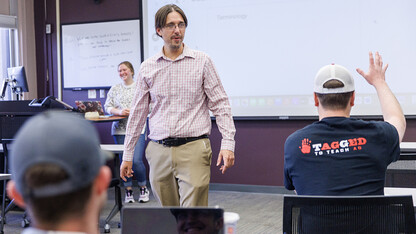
(249, 188)
(58, 48)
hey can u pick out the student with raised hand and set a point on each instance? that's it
(59, 173)
(340, 155)
(118, 102)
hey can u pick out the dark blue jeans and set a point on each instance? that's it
(138, 166)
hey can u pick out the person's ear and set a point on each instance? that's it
(158, 31)
(102, 181)
(315, 97)
(14, 194)
(352, 100)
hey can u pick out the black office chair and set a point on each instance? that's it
(115, 182)
(348, 214)
(118, 205)
(4, 210)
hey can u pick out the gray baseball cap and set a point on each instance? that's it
(61, 138)
(337, 72)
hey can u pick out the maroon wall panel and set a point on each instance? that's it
(81, 11)
(259, 152)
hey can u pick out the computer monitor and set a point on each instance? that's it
(17, 79)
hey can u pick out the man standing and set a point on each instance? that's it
(58, 173)
(182, 86)
(340, 155)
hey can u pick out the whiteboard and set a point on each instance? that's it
(267, 52)
(91, 52)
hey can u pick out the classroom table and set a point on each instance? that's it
(408, 151)
(116, 149)
(107, 118)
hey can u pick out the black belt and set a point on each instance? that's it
(173, 141)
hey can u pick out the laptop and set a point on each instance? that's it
(171, 220)
(89, 106)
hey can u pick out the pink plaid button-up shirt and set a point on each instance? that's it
(181, 92)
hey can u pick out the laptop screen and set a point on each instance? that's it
(90, 106)
(172, 220)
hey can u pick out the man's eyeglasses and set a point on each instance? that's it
(173, 26)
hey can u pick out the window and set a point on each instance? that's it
(7, 56)
(4, 57)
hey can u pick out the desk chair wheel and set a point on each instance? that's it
(107, 228)
(25, 223)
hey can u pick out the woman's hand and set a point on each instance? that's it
(124, 112)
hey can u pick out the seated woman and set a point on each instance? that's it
(118, 102)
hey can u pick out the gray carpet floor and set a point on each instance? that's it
(259, 212)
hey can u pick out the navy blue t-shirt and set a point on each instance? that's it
(340, 156)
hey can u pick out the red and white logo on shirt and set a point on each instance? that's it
(334, 147)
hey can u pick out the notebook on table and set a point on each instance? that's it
(90, 106)
(172, 220)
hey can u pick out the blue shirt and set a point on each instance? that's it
(340, 156)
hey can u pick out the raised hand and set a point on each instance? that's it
(376, 71)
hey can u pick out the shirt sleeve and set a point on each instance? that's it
(392, 141)
(109, 102)
(219, 105)
(287, 166)
(137, 117)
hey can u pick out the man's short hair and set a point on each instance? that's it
(334, 101)
(163, 12)
(54, 209)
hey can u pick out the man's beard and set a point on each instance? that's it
(175, 47)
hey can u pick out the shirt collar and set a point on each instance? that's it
(187, 52)
(130, 85)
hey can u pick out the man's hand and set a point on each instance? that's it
(126, 170)
(376, 72)
(390, 107)
(228, 157)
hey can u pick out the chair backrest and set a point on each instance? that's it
(156, 220)
(348, 214)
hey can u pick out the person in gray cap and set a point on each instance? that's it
(340, 155)
(59, 173)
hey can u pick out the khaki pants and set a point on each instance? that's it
(180, 175)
